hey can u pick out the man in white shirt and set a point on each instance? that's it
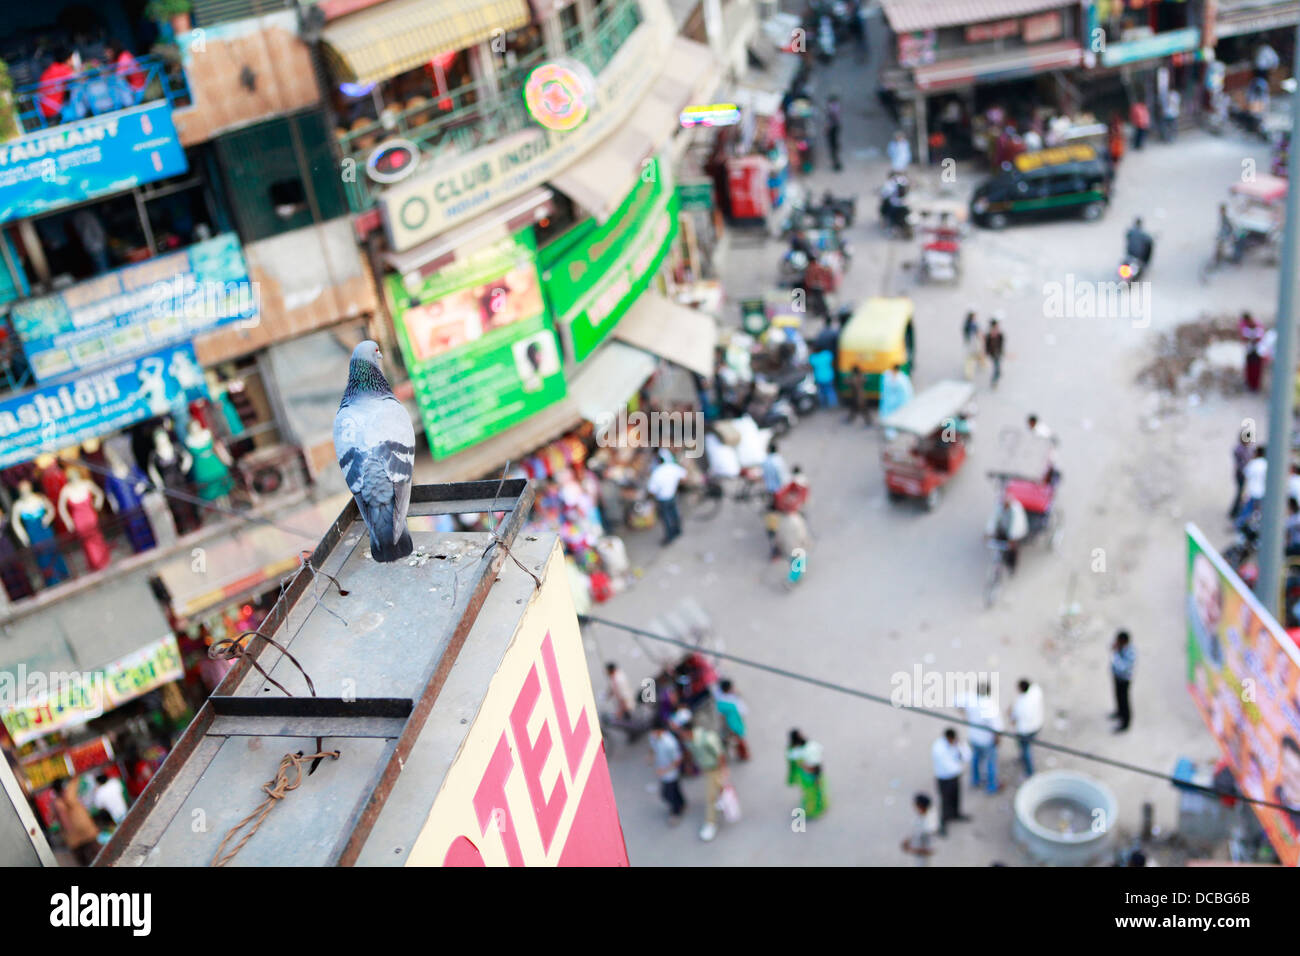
(949, 757)
(982, 711)
(1266, 60)
(1027, 720)
(1256, 480)
(1048, 437)
(662, 485)
(109, 796)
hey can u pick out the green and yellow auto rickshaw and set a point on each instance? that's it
(877, 338)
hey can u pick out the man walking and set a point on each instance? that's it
(1241, 456)
(1140, 117)
(667, 756)
(923, 826)
(900, 153)
(949, 758)
(857, 395)
(833, 130)
(733, 711)
(662, 486)
(1027, 720)
(983, 713)
(994, 344)
(1170, 109)
(1122, 658)
(1255, 476)
(708, 753)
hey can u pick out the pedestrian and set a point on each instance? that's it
(1266, 61)
(619, 691)
(1292, 538)
(856, 400)
(994, 344)
(895, 390)
(1115, 140)
(52, 92)
(823, 368)
(833, 130)
(79, 830)
(1241, 456)
(792, 540)
(804, 758)
(919, 843)
(1122, 658)
(733, 711)
(1256, 483)
(776, 474)
(110, 797)
(982, 711)
(709, 755)
(1027, 720)
(858, 29)
(900, 153)
(1140, 118)
(970, 329)
(662, 486)
(949, 757)
(1048, 439)
(1170, 109)
(666, 753)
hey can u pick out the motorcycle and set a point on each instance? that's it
(1133, 265)
(844, 208)
(769, 409)
(798, 387)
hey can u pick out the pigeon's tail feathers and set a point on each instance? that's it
(383, 547)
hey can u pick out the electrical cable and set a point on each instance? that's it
(936, 714)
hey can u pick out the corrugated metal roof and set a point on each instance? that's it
(904, 16)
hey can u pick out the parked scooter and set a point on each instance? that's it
(769, 409)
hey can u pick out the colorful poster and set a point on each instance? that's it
(596, 279)
(137, 308)
(55, 701)
(479, 344)
(99, 156)
(1243, 671)
(56, 416)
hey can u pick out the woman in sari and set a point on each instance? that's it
(805, 759)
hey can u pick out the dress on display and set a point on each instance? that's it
(209, 473)
(184, 513)
(52, 481)
(48, 559)
(17, 584)
(85, 519)
(126, 493)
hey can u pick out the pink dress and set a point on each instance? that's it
(85, 520)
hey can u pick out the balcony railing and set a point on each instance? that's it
(474, 114)
(99, 91)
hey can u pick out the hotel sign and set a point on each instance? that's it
(424, 206)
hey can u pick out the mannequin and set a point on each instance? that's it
(33, 517)
(168, 466)
(125, 487)
(79, 506)
(52, 479)
(211, 469)
(94, 455)
(16, 583)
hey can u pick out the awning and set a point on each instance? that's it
(248, 562)
(609, 379)
(1234, 19)
(486, 229)
(682, 335)
(399, 35)
(948, 74)
(905, 16)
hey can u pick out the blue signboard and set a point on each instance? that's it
(99, 156)
(1148, 48)
(136, 309)
(56, 416)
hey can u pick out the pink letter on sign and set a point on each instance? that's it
(574, 738)
(532, 758)
(490, 802)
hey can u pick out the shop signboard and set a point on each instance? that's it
(695, 195)
(99, 156)
(1044, 26)
(593, 283)
(1152, 47)
(66, 700)
(916, 49)
(479, 343)
(69, 762)
(530, 784)
(1243, 671)
(137, 309)
(55, 416)
(995, 30)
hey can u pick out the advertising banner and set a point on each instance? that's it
(99, 156)
(70, 699)
(479, 344)
(1243, 671)
(55, 416)
(530, 785)
(137, 308)
(593, 282)
(1148, 48)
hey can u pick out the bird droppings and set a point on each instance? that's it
(368, 622)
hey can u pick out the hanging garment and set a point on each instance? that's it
(48, 559)
(184, 513)
(127, 495)
(85, 520)
(233, 421)
(16, 583)
(209, 473)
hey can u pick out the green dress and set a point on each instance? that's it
(209, 473)
(811, 783)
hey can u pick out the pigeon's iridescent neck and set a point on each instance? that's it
(365, 378)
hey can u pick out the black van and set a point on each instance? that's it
(1047, 183)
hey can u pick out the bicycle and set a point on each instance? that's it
(997, 570)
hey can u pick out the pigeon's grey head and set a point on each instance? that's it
(368, 351)
(366, 373)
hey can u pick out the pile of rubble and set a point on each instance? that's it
(1198, 358)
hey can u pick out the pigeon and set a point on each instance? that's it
(375, 444)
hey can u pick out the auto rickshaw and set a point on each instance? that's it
(1257, 214)
(927, 442)
(878, 337)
